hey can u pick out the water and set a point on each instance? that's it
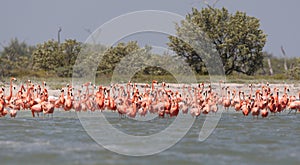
(236, 140)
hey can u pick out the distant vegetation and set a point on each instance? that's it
(237, 38)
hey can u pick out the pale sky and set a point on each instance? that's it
(36, 21)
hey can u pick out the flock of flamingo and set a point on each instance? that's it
(157, 98)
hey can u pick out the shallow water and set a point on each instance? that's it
(236, 140)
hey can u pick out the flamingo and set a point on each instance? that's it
(7, 98)
(174, 110)
(61, 101)
(255, 109)
(69, 101)
(238, 102)
(48, 108)
(100, 98)
(264, 112)
(226, 101)
(121, 107)
(77, 104)
(245, 106)
(295, 105)
(134, 107)
(161, 101)
(2, 100)
(213, 104)
(195, 107)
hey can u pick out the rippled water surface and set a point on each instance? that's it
(236, 140)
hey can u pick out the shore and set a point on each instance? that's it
(294, 88)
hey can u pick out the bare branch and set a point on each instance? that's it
(214, 4)
(285, 56)
(58, 34)
(92, 35)
(270, 66)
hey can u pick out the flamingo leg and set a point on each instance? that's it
(33, 115)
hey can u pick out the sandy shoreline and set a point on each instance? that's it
(294, 88)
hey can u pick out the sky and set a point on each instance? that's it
(36, 21)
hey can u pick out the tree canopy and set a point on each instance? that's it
(54, 58)
(237, 38)
(15, 58)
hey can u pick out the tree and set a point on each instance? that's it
(52, 57)
(121, 60)
(70, 50)
(237, 38)
(46, 56)
(15, 59)
(294, 71)
(113, 55)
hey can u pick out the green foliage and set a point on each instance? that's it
(294, 71)
(15, 59)
(237, 39)
(52, 57)
(95, 58)
(113, 55)
(277, 64)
